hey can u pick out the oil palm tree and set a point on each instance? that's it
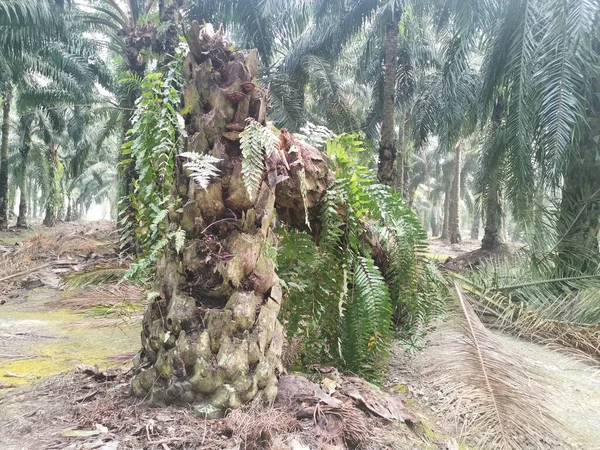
(63, 70)
(541, 58)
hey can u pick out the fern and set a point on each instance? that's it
(201, 167)
(256, 142)
(315, 135)
(367, 322)
(342, 304)
(152, 143)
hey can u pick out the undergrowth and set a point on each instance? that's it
(366, 273)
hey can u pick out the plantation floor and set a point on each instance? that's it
(46, 331)
(571, 388)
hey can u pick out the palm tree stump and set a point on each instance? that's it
(212, 337)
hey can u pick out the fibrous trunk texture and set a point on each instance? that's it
(23, 210)
(52, 200)
(492, 237)
(387, 144)
(137, 40)
(212, 337)
(4, 157)
(454, 220)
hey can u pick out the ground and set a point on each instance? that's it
(51, 396)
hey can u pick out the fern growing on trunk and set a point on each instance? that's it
(366, 268)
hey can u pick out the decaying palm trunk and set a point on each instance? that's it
(212, 337)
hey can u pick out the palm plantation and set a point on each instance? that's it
(277, 170)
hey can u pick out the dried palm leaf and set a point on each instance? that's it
(93, 276)
(500, 401)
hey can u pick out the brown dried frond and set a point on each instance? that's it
(257, 425)
(500, 400)
(102, 295)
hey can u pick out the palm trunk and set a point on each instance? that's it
(34, 209)
(434, 223)
(387, 144)
(212, 338)
(454, 220)
(22, 218)
(476, 219)
(137, 41)
(4, 157)
(69, 215)
(492, 237)
(446, 221)
(53, 194)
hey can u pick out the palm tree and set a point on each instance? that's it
(7, 100)
(66, 62)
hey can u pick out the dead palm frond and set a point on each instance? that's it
(500, 400)
(93, 276)
(526, 301)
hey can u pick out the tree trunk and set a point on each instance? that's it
(35, 209)
(446, 221)
(212, 337)
(137, 41)
(579, 220)
(433, 221)
(12, 198)
(4, 157)
(69, 215)
(22, 218)
(492, 237)
(454, 220)
(53, 194)
(476, 219)
(387, 144)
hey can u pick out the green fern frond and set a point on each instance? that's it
(256, 142)
(201, 167)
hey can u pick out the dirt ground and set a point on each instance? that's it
(50, 397)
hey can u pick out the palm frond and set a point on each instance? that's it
(504, 397)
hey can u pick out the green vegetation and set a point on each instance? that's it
(422, 117)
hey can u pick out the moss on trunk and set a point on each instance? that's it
(212, 336)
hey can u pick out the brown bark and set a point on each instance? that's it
(212, 338)
(4, 157)
(454, 219)
(387, 144)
